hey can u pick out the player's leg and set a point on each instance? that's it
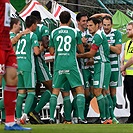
(58, 81)
(44, 76)
(101, 81)
(20, 97)
(53, 103)
(67, 103)
(29, 83)
(74, 106)
(76, 81)
(112, 95)
(87, 76)
(45, 97)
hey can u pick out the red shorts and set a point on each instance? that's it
(7, 59)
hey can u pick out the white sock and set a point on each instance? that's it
(9, 124)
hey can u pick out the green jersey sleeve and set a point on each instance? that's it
(34, 40)
(79, 41)
(97, 40)
(45, 31)
(51, 44)
(118, 36)
(12, 35)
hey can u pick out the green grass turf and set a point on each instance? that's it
(75, 128)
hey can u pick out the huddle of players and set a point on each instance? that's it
(32, 66)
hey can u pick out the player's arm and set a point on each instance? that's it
(89, 54)
(15, 39)
(51, 45)
(52, 50)
(116, 49)
(38, 50)
(122, 60)
(45, 41)
(118, 43)
(80, 48)
(98, 15)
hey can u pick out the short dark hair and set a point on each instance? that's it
(13, 21)
(64, 17)
(130, 23)
(95, 20)
(80, 15)
(107, 18)
(30, 20)
(36, 14)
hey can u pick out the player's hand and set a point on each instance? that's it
(27, 31)
(78, 55)
(84, 40)
(90, 62)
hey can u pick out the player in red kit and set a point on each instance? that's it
(8, 66)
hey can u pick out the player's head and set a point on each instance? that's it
(130, 30)
(82, 19)
(65, 17)
(93, 25)
(15, 25)
(107, 24)
(31, 22)
(37, 15)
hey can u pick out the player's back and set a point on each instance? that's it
(24, 51)
(65, 40)
(41, 31)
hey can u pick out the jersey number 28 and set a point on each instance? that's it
(66, 41)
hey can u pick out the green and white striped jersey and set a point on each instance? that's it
(114, 38)
(82, 61)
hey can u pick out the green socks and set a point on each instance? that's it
(53, 103)
(80, 105)
(67, 108)
(87, 104)
(28, 102)
(101, 105)
(111, 110)
(34, 104)
(107, 111)
(20, 99)
(2, 109)
(74, 107)
(45, 97)
(114, 101)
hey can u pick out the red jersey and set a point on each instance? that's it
(5, 43)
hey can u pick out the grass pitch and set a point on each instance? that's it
(75, 128)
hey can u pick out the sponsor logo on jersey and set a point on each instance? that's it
(112, 83)
(95, 82)
(60, 72)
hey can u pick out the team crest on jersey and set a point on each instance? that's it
(35, 41)
(2, 69)
(111, 38)
(46, 31)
